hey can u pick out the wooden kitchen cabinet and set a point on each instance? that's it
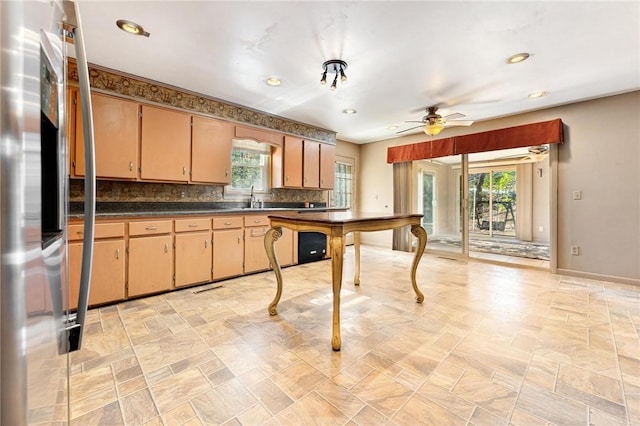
(311, 164)
(108, 269)
(255, 256)
(192, 251)
(287, 164)
(115, 130)
(165, 145)
(211, 144)
(150, 257)
(327, 166)
(228, 253)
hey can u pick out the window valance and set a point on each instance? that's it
(546, 132)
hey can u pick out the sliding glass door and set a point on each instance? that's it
(492, 202)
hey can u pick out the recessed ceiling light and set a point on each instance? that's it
(349, 111)
(392, 127)
(517, 58)
(274, 81)
(536, 95)
(131, 27)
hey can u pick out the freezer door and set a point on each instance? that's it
(34, 377)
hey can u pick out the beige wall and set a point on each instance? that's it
(600, 157)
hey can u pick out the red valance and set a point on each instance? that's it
(542, 133)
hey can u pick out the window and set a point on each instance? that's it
(343, 186)
(250, 167)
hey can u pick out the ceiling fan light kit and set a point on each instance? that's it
(337, 67)
(433, 123)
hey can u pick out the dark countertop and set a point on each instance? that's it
(148, 209)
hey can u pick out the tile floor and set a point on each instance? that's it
(491, 345)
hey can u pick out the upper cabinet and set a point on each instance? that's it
(211, 143)
(327, 166)
(165, 145)
(303, 164)
(287, 164)
(115, 130)
(311, 164)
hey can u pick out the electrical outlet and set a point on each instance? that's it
(577, 195)
(575, 250)
(540, 228)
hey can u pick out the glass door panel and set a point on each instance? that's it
(438, 199)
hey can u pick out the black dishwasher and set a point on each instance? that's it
(312, 246)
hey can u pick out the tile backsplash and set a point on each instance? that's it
(110, 191)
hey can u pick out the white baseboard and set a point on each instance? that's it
(599, 277)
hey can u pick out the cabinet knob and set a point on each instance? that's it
(205, 244)
(131, 166)
(226, 173)
(151, 228)
(166, 248)
(193, 225)
(184, 170)
(117, 253)
(228, 223)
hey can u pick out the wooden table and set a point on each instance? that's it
(336, 225)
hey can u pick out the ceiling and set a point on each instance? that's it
(402, 56)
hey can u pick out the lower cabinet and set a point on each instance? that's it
(228, 253)
(255, 256)
(108, 269)
(150, 264)
(193, 258)
(284, 247)
(192, 251)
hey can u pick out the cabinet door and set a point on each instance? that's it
(284, 247)
(107, 272)
(211, 150)
(228, 253)
(193, 258)
(311, 166)
(165, 149)
(255, 256)
(71, 103)
(150, 264)
(115, 130)
(292, 162)
(327, 166)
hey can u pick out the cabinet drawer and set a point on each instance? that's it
(150, 227)
(186, 225)
(256, 221)
(102, 230)
(227, 222)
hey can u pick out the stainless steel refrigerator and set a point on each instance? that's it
(37, 330)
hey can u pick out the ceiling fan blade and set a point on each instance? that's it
(458, 123)
(454, 116)
(414, 121)
(406, 130)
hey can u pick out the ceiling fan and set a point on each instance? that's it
(433, 123)
(536, 153)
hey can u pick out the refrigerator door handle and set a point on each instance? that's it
(75, 330)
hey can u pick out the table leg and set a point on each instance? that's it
(419, 232)
(356, 249)
(270, 239)
(337, 252)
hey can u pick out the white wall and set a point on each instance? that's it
(600, 157)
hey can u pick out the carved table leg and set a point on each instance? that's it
(356, 249)
(270, 239)
(419, 232)
(337, 251)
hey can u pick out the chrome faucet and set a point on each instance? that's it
(252, 201)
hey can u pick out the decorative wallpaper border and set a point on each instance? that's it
(146, 90)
